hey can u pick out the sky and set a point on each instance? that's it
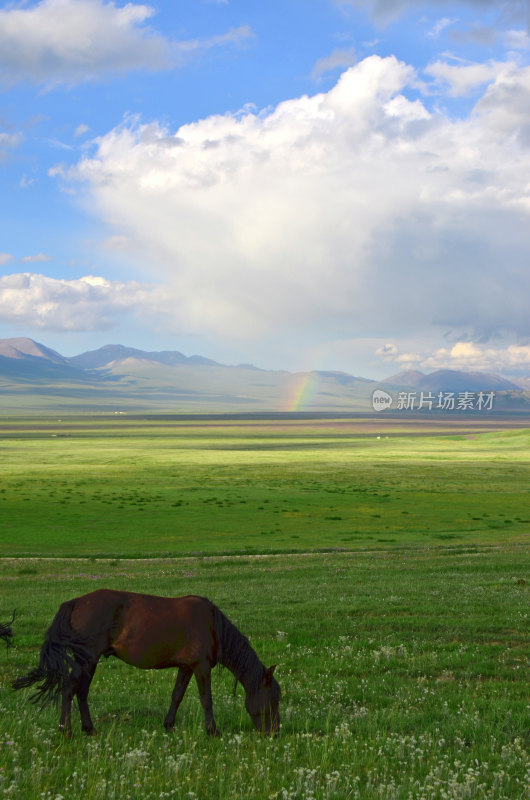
(298, 184)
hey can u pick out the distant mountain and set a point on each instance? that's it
(34, 377)
(27, 348)
(25, 360)
(467, 381)
(449, 380)
(118, 377)
(342, 378)
(409, 377)
(112, 353)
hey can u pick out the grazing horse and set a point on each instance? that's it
(6, 632)
(149, 632)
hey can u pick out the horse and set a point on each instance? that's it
(6, 631)
(190, 633)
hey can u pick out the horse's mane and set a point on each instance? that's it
(235, 652)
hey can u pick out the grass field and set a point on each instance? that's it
(169, 488)
(403, 652)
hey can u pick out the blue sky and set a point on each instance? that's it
(334, 184)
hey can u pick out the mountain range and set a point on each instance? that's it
(35, 377)
(451, 380)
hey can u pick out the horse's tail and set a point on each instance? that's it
(6, 631)
(62, 648)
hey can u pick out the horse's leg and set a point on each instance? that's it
(69, 689)
(83, 685)
(203, 678)
(181, 684)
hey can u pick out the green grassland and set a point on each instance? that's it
(383, 566)
(169, 488)
(404, 675)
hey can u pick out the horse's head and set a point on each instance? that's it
(263, 704)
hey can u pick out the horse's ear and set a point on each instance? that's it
(268, 675)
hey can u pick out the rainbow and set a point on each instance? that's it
(302, 391)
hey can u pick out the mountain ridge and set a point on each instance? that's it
(451, 380)
(93, 359)
(23, 347)
(169, 380)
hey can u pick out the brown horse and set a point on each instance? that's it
(149, 632)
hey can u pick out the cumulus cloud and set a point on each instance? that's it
(5, 258)
(472, 356)
(355, 212)
(68, 41)
(409, 359)
(505, 108)
(512, 359)
(87, 304)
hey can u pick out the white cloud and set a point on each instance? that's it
(73, 41)
(338, 59)
(505, 109)
(96, 280)
(409, 359)
(8, 141)
(81, 130)
(517, 40)
(464, 79)
(481, 358)
(26, 182)
(463, 355)
(118, 243)
(5, 258)
(68, 41)
(386, 10)
(440, 26)
(351, 213)
(387, 351)
(35, 259)
(87, 304)
(234, 37)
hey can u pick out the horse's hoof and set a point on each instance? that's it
(90, 731)
(215, 732)
(66, 732)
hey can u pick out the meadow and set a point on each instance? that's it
(384, 568)
(165, 487)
